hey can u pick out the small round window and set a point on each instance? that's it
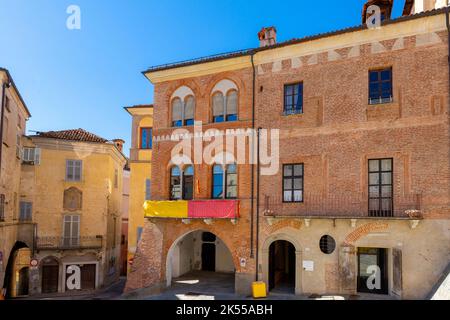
(327, 244)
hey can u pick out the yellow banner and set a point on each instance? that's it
(166, 209)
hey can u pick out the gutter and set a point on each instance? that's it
(252, 210)
(258, 172)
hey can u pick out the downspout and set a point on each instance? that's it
(258, 171)
(447, 21)
(252, 210)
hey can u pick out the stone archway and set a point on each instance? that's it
(265, 257)
(189, 251)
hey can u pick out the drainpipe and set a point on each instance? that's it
(258, 171)
(447, 20)
(4, 87)
(253, 171)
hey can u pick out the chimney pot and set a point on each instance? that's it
(119, 144)
(267, 37)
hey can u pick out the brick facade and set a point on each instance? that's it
(334, 138)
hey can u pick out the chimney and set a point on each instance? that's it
(119, 144)
(267, 37)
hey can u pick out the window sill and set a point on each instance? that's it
(288, 114)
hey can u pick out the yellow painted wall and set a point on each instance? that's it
(44, 186)
(140, 171)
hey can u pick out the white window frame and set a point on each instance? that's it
(72, 241)
(25, 211)
(73, 167)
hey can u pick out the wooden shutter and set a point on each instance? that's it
(232, 100)
(218, 105)
(177, 110)
(147, 189)
(189, 108)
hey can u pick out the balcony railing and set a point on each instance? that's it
(345, 206)
(63, 243)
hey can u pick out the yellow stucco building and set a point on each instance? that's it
(15, 234)
(140, 167)
(71, 189)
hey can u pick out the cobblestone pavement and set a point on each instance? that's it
(197, 286)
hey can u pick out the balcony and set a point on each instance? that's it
(342, 206)
(62, 243)
(193, 209)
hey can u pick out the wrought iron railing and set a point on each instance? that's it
(341, 205)
(64, 243)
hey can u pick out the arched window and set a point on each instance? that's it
(231, 182)
(177, 112)
(217, 181)
(175, 183)
(225, 101)
(183, 107)
(224, 185)
(182, 183)
(231, 110)
(188, 183)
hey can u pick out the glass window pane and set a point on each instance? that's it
(218, 119)
(287, 171)
(232, 117)
(217, 192)
(231, 168)
(232, 179)
(373, 76)
(298, 170)
(175, 171)
(386, 204)
(189, 171)
(232, 192)
(298, 184)
(386, 178)
(386, 165)
(374, 165)
(287, 184)
(386, 74)
(374, 178)
(298, 195)
(287, 196)
(374, 192)
(386, 191)
(289, 90)
(374, 204)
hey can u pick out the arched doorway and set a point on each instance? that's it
(197, 257)
(16, 281)
(50, 275)
(282, 266)
(23, 282)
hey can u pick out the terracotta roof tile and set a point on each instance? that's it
(73, 135)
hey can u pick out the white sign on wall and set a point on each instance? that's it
(308, 265)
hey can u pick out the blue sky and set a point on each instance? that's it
(83, 78)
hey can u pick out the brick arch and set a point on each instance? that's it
(167, 272)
